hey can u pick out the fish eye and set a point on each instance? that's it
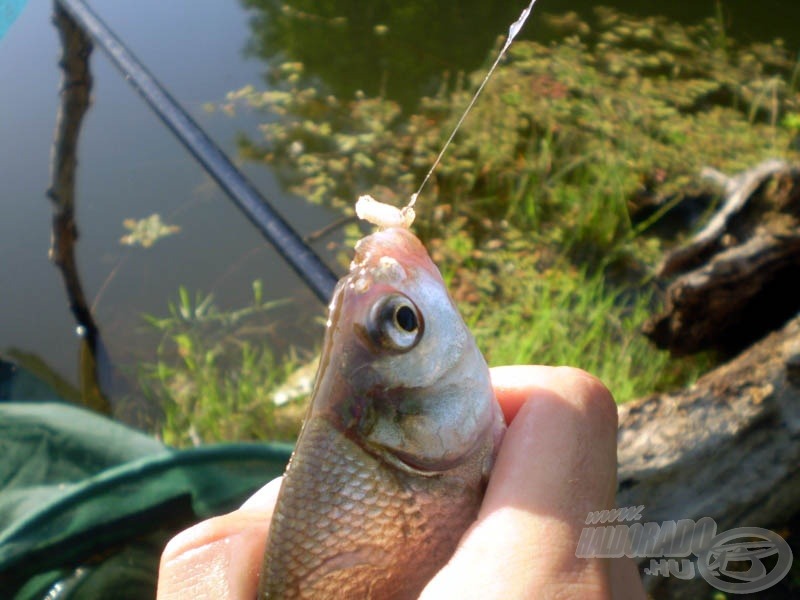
(396, 323)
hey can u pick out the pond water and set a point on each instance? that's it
(131, 166)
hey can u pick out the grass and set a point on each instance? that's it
(577, 319)
(215, 373)
(535, 216)
(540, 308)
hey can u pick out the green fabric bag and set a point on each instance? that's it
(86, 503)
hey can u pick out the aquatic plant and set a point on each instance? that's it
(628, 110)
(147, 231)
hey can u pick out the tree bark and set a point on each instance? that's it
(735, 280)
(726, 448)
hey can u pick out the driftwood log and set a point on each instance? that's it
(737, 278)
(729, 446)
(726, 448)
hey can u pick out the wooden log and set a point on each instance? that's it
(738, 191)
(726, 448)
(736, 279)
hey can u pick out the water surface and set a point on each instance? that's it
(131, 166)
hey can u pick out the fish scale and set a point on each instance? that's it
(356, 490)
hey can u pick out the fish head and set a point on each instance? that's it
(400, 372)
(393, 459)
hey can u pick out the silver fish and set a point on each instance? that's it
(392, 462)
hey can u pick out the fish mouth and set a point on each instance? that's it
(404, 464)
(383, 253)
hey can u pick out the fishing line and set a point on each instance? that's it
(513, 30)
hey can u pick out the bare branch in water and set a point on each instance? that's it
(329, 228)
(76, 87)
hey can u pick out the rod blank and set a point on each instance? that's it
(308, 265)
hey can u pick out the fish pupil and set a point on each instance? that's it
(406, 319)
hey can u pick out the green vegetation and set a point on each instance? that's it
(146, 232)
(536, 305)
(536, 216)
(564, 134)
(215, 373)
(396, 49)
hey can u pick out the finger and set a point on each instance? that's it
(512, 386)
(557, 462)
(219, 558)
(626, 582)
(266, 497)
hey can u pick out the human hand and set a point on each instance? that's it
(557, 463)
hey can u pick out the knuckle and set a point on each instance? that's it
(590, 395)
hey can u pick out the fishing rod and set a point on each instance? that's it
(306, 263)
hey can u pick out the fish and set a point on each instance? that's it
(402, 431)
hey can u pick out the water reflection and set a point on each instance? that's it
(400, 49)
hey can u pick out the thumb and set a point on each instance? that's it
(219, 558)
